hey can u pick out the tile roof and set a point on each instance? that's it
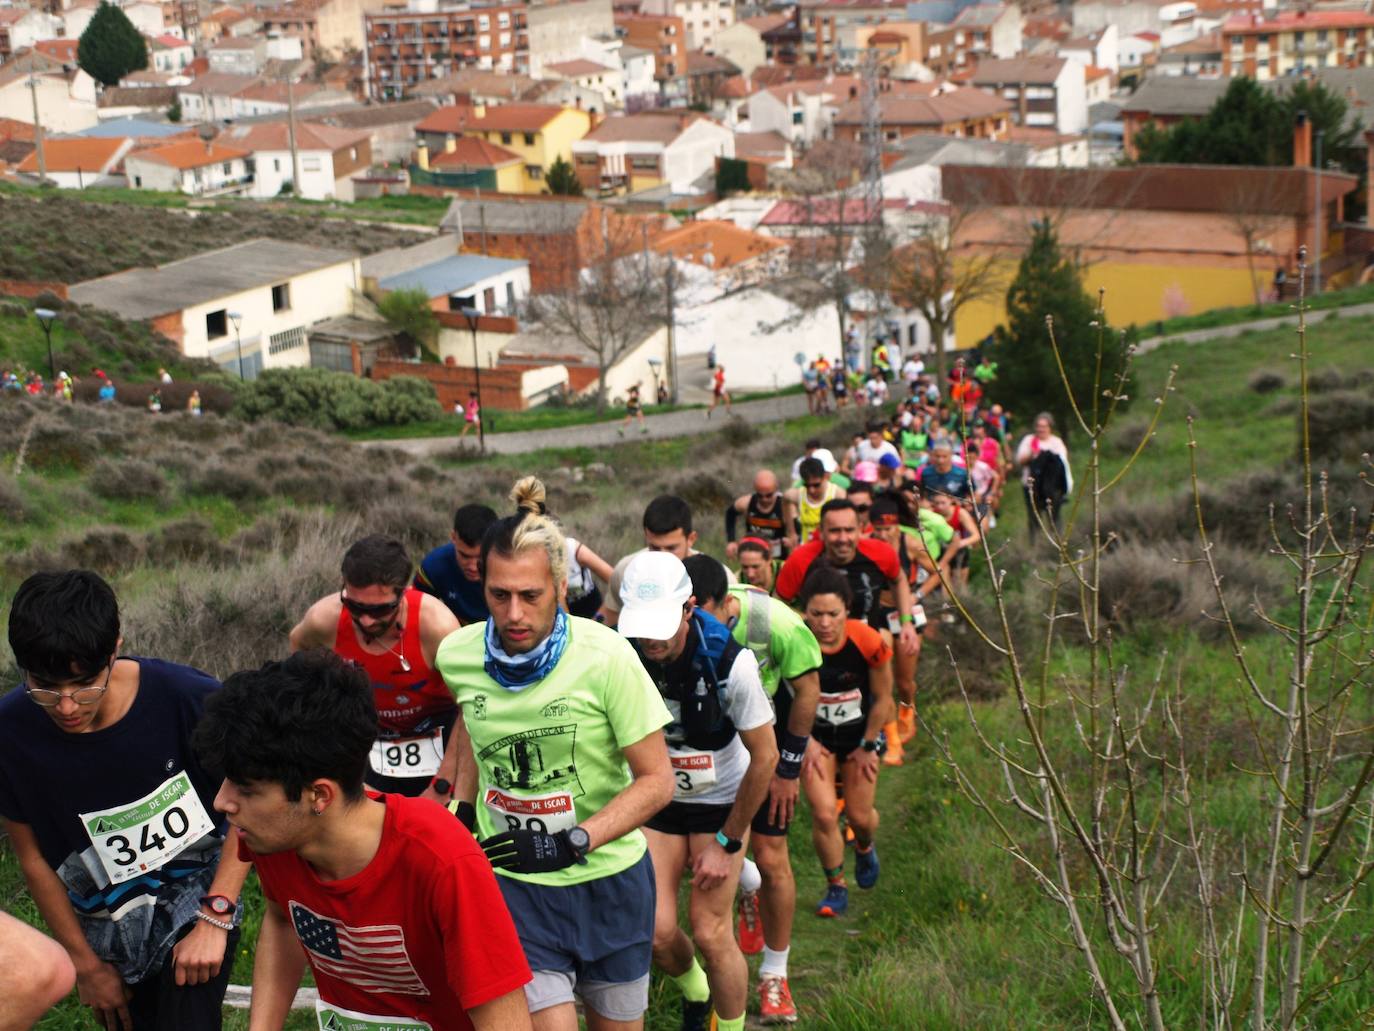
(88, 155)
(277, 136)
(13, 129)
(1041, 71)
(699, 62)
(1298, 21)
(371, 116)
(471, 152)
(167, 41)
(1175, 95)
(577, 67)
(187, 154)
(946, 108)
(63, 50)
(725, 243)
(475, 81)
(644, 127)
(821, 211)
(760, 146)
(502, 118)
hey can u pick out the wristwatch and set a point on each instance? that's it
(731, 845)
(220, 905)
(581, 843)
(869, 746)
(441, 786)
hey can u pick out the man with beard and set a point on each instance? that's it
(392, 631)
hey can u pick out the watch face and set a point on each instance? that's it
(221, 906)
(579, 839)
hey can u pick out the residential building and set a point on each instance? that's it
(742, 45)
(469, 162)
(566, 93)
(60, 50)
(1044, 92)
(190, 166)
(914, 174)
(734, 257)
(1163, 101)
(1295, 41)
(238, 55)
(217, 97)
(630, 153)
(821, 23)
(953, 111)
(328, 158)
(147, 17)
(538, 133)
(407, 47)
(1137, 50)
(605, 81)
(62, 107)
(492, 286)
(897, 46)
(258, 298)
(974, 33)
(476, 86)
(1095, 50)
(185, 17)
(22, 27)
(391, 127)
(802, 111)
(74, 164)
(706, 74)
(638, 65)
(326, 28)
(781, 35)
(701, 19)
(1198, 58)
(16, 143)
(1097, 86)
(227, 21)
(664, 36)
(170, 54)
(564, 30)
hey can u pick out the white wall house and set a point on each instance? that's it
(190, 166)
(606, 81)
(27, 27)
(60, 107)
(493, 286)
(79, 163)
(328, 157)
(638, 65)
(170, 54)
(800, 112)
(1099, 49)
(146, 17)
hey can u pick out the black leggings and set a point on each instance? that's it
(157, 1004)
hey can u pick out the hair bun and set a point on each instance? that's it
(529, 495)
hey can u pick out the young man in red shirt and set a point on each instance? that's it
(388, 897)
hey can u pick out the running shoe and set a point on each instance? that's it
(696, 1016)
(835, 903)
(866, 867)
(906, 722)
(775, 1001)
(892, 753)
(750, 924)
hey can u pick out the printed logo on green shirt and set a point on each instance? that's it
(535, 760)
(479, 707)
(556, 709)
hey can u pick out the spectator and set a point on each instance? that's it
(1045, 475)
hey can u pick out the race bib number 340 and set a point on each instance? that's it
(141, 836)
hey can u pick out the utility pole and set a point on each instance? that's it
(1317, 233)
(291, 135)
(37, 123)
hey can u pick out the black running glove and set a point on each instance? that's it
(531, 851)
(466, 813)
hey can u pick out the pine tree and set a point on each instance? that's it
(1048, 283)
(561, 179)
(111, 47)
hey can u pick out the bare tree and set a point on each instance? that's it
(616, 301)
(1255, 206)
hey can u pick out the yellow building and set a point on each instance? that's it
(535, 135)
(1161, 240)
(488, 165)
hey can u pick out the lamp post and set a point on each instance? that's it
(654, 365)
(237, 319)
(472, 315)
(46, 317)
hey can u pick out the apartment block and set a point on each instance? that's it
(405, 48)
(1289, 42)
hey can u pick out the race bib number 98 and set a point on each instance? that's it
(839, 709)
(336, 1018)
(139, 837)
(544, 813)
(408, 756)
(694, 772)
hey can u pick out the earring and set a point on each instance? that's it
(317, 812)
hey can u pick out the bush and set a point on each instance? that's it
(105, 549)
(58, 444)
(131, 479)
(738, 432)
(1341, 424)
(327, 400)
(12, 504)
(186, 540)
(1266, 381)
(230, 480)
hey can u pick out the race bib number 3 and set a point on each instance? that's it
(336, 1018)
(408, 756)
(546, 813)
(839, 709)
(139, 837)
(695, 772)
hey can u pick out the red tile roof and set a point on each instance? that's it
(725, 243)
(88, 155)
(193, 154)
(1297, 21)
(471, 152)
(277, 136)
(63, 50)
(577, 67)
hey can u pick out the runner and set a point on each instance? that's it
(868, 564)
(633, 409)
(718, 391)
(667, 527)
(813, 449)
(566, 730)
(941, 475)
(860, 494)
(392, 631)
(722, 749)
(764, 516)
(584, 596)
(450, 573)
(855, 702)
(871, 448)
(757, 566)
(1046, 478)
(967, 534)
(110, 813)
(802, 505)
(472, 414)
(388, 898)
(789, 660)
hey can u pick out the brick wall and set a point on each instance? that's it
(31, 288)
(501, 388)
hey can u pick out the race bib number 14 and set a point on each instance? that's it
(139, 837)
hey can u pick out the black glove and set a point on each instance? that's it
(466, 813)
(530, 851)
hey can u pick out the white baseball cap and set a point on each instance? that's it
(653, 590)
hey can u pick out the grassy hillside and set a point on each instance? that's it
(217, 536)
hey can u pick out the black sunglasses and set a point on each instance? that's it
(358, 609)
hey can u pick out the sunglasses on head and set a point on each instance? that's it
(358, 610)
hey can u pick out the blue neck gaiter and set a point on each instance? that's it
(517, 672)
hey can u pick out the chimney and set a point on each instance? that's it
(1302, 141)
(450, 143)
(422, 154)
(479, 110)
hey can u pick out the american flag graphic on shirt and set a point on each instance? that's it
(373, 959)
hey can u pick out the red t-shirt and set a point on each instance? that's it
(421, 932)
(874, 566)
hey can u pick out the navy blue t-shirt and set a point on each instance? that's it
(440, 576)
(136, 866)
(955, 482)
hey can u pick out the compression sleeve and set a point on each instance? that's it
(731, 521)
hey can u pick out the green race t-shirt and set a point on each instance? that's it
(935, 532)
(778, 637)
(551, 755)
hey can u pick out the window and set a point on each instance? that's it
(353, 151)
(457, 302)
(216, 324)
(529, 139)
(287, 340)
(505, 138)
(483, 23)
(796, 118)
(644, 164)
(503, 20)
(276, 164)
(489, 300)
(281, 297)
(138, 181)
(534, 171)
(310, 164)
(227, 168)
(510, 297)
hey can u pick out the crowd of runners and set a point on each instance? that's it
(511, 776)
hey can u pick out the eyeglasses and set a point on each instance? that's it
(358, 610)
(87, 695)
(862, 508)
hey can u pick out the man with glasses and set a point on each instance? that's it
(764, 517)
(392, 630)
(112, 816)
(802, 505)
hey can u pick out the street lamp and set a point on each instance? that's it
(472, 315)
(46, 317)
(237, 319)
(654, 365)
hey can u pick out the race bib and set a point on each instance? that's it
(408, 756)
(695, 772)
(336, 1018)
(838, 709)
(139, 837)
(546, 813)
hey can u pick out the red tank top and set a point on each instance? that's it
(407, 703)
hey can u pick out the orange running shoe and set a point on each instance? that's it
(906, 722)
(775, 1001)
(892, 754)
(750, 924)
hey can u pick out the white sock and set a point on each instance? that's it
(774, 962)
(749, 877)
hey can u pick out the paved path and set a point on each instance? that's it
(603, 434)
(1197, 336)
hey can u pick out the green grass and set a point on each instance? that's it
(1249, 312)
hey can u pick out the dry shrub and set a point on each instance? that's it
(129, 479)
(306, 488)
(1124, 436)
(184, 426)
(1341, 424)
(59, 444)
(707, 493)
(426, 473)
(12, 503)
(105, 549)
(1266, 381)
(186, 540)
(233, 480)
(737, 433)
(418, 527)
